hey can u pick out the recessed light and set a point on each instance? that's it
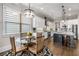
(42, 8)
(69, 9)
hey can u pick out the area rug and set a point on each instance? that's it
(45, 52)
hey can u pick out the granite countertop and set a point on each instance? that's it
(66, 33)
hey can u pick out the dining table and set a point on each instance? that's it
(26, 41)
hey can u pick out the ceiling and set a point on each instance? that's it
(53, 11)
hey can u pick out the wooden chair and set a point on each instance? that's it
(40, 44)
(38, 47)
(16, 48)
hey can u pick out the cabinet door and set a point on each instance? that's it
(75, 30)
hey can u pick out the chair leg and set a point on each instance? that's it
(32, 54)
(12, 53)
(22, 53)
(27, 52)
(8, 53)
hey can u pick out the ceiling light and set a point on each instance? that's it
(42, 8)
(29, 11)
(69, 9)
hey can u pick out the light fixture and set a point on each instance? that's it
(69, 9)
(63, 12)
(28, 12)
(41, 8)
(64, 18)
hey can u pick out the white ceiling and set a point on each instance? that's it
(53, 11)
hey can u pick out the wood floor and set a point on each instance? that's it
(59, 50)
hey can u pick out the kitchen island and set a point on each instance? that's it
(64, 38)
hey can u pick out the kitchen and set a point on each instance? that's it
(54, 27)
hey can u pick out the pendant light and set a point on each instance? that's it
(63, 12)
(63, 17)
(29, 11)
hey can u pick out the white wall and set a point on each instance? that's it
(4, 41)
(1, 21)
(38, 22)
(51, 25)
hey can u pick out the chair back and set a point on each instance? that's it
(13, 45)
(40, 44)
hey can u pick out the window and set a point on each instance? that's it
(25, 28)
(11, 27)
(11, 21)
(26, 22)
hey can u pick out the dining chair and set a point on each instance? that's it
(38, 47)
(16, 48)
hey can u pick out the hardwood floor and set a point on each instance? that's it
(59, 50)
